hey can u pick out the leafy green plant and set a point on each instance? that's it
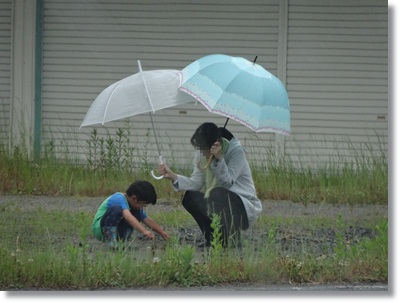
(110, 153)
(216, 240)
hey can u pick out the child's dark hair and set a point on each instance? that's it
(205, 136)
(144, 191)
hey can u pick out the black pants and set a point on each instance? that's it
(228, 205)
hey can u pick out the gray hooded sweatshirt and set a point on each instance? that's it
(232, 172)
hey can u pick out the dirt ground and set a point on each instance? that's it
(270, 208)
(319, 240)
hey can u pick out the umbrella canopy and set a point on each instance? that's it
(239, 89)
(146, 91)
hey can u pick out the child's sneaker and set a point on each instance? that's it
(110, 236)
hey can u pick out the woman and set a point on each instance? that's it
(228, 187)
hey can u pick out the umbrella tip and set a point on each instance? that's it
(255, 59)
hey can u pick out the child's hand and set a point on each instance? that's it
(165, 236)
(149, 234)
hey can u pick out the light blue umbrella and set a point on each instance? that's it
(240, 90)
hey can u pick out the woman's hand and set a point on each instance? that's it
(216, 150)
(167, 172)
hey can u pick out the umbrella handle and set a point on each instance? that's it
(208, 163)
(160, 161)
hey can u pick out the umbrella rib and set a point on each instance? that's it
(145, 86)
(151, 104)
(108, 101)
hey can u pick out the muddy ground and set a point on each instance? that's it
(320, 239)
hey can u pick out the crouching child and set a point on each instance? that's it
(120, 213)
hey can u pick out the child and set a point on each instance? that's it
(121, 212)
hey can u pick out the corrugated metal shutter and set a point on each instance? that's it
(90, 44)
(5, 70)
(336, 69)
(337, 78)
